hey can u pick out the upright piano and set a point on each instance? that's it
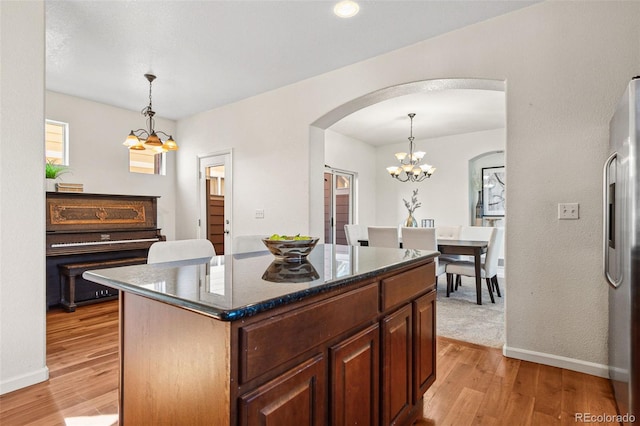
(94, 231)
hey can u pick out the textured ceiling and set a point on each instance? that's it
(210, 53)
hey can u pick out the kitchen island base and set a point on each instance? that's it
(360, 353)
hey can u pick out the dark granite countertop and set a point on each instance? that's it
(231, 287)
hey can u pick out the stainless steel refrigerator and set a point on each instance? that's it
(622, 250)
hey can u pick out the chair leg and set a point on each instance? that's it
(494, 279)
(489, 285)
(458, 281)
(449, 283)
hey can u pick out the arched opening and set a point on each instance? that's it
(383, 192)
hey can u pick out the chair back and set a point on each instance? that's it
(493, 252)
(419, 238)
(248, 243)
(171, 251)
(476, 233)
(448, 232)
(354, 233)
(383, 236)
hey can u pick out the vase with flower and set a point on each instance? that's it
(411, 206)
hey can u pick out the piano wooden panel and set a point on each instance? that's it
(79, 211)
(98, 229)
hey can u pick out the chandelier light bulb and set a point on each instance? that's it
(131, 140)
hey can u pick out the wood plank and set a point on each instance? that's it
(467, 404)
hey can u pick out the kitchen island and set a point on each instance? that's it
(347, 337)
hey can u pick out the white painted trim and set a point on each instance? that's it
(24, 380)
(580, 366)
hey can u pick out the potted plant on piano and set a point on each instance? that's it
(52, 171)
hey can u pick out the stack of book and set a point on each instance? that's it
(69, 187)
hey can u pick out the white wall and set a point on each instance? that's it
(22, 265)
(346, 153)
(565, 65)
(99, 161)
(445, 195)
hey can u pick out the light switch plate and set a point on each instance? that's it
(259, 213)
(568, 211)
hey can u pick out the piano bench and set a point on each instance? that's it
(70, 271)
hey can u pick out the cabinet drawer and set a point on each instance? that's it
(267, 344)
(293, 398)
(405, 286)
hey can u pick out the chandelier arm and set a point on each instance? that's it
(142, 131)
(165, 134)
(410, 177)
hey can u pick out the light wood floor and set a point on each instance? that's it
(475, 384)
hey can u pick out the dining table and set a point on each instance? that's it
(466, 248)
(460, 248)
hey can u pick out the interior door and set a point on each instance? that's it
(215, 200)
(339, 204)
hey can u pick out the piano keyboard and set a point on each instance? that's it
(99, 243)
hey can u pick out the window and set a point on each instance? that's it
(146, 161)
(57, 142)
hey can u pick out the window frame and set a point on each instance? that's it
(65, 140)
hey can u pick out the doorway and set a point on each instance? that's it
(215, 200)
(339, 204)
(346, 146)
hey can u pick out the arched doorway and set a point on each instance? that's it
(317, 130)
(320, 135)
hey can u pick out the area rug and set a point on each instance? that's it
(459, 317)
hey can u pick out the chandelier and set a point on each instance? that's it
(150, 135)
(410, 168)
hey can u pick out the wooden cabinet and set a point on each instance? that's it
(408, 344)
(397, 343)
(354, 394)
(424, 336)
(293, 398)
(361, 354)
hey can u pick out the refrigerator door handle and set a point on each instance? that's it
(609, 225)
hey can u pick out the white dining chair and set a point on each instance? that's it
(423, 239)
(476, 233)
(488, 267)
(248, 243)
(171, 251)
(383, 236)
(448, 232)
(355, 232)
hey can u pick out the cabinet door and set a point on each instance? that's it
(354, 379)
(296, 397)
(424, 334)
(397, 342)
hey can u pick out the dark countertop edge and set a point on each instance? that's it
(255, 308)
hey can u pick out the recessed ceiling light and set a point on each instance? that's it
(346, 8)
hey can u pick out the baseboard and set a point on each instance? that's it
(25, 380)
(580, 366)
